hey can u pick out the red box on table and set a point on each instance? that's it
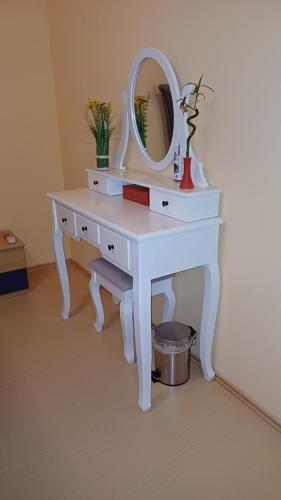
(138, 194)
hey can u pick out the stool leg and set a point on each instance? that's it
(126, 317)
(169, 301)
(95, 294)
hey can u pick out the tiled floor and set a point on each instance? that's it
(70, 428)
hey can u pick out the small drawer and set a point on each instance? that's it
(166, 203)
(115, 247)
(186, 207)
(87, 229)
(66, 220)
(103, 184)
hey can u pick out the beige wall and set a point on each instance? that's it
(29, 138)
(237, 46)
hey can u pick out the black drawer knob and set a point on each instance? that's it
(165, 203)
(64, 219)
(110, 247)
(96, 183)
(84, 228)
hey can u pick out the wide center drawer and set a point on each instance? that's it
(115, 247)
(87, 229)
(66, 220)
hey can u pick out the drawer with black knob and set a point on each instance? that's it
(66, 220)
(187, 206)
(101, 183)
(163, 202)
(87, 229)
(115, 247)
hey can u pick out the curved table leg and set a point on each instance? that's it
(209, 314)
(61, 266)
(142, 323)
(126, 317)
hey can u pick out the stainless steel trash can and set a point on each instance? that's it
(172, 342)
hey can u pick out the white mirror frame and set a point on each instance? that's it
(164, 63)
(180, 131)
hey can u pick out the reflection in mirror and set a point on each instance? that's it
(153, 109)
(141, 108)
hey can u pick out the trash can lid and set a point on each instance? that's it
(173, 333)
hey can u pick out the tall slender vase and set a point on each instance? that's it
(186, 182)
(102, 155)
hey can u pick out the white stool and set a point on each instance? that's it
(120, 284)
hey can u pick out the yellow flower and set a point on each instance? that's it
(98, 115)
(141, 98)
(99, 106)
(91, 104)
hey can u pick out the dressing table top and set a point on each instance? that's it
(131, 219)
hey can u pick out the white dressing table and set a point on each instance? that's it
(178, 231)
(146, 245)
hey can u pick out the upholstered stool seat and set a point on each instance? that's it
(120, 285)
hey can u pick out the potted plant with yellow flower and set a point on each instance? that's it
(99, 118)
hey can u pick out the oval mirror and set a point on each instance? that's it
(153, 94)
(153, 110)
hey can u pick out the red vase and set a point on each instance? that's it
(186, 182)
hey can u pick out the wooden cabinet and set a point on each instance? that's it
(13, 272)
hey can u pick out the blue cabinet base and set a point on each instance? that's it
(13, 281)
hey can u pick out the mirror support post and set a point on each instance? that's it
(119, 155)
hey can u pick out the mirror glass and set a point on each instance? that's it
(153, 110)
